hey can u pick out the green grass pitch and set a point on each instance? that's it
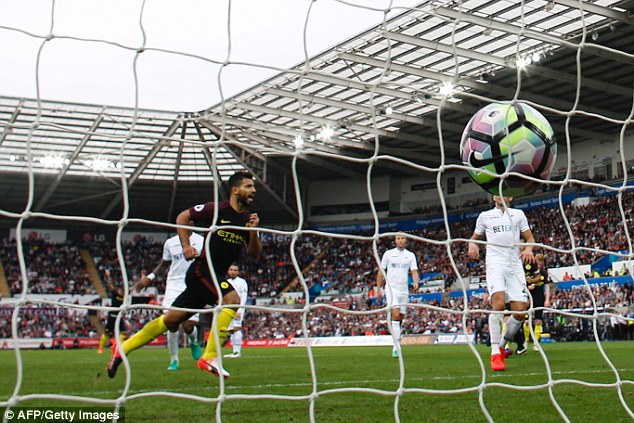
(274, 372)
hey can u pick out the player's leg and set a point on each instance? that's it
(173, 336)
(171, 320)
(106, 335)
(393, 301)
(496, 286)
(495, 331)
(221, 325)
(518, 297)
(191, 332)
(520, 340)
(233, 327)
(236, 342)
(537, 328)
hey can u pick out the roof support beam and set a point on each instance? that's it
(12, 119)
(144, 163)
(260, 175)
(210, 161)
(271, 163)
(595, 9)
(310, 98)
(490, 88)
(529, 33)
(489, 58)
(58, 178)
(325, 121)
(177, 166)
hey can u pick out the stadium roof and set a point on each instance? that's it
(373, 99)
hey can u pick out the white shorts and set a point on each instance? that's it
(168, 300)
(397, 298)
(508, 278)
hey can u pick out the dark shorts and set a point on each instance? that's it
(200, 288)
(538, 301)
(110, 325)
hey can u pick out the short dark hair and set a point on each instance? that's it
(236, 179)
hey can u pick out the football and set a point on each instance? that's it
(505, 138)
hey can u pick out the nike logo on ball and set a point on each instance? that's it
(475, 162)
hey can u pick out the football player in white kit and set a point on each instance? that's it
(235, 327)
(397, 263)
(178, 265)
(502, 227)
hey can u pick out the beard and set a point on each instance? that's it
(245, 200)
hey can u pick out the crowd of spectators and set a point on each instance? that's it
(51, 268)
(361, 316)
(339, 265)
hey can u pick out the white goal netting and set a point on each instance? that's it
(106, 131)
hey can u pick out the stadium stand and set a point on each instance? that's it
(341, 269)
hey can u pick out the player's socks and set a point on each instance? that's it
(512, 326)
(495, 326)
(194, 345)
(538, 333)
(222, 322)
(236, 341)
(396, 330)
(102, 342)
(172, 344)
(145, 335)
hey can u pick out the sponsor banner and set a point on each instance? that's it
(66, 343)
(54, 236)
(412, 224)
(83, 237)
(454, 338)
(283, 342)
(418, 340)
(343, 341)
(150, 237)
(268, 238)
(62, 298)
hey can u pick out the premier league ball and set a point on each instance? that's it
(503, 138)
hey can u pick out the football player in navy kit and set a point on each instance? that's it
(225, 246)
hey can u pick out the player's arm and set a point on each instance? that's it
(146, 280)
(254, 247)
(546, 291)
(474, 248)
(533, 279)
(526, 254)
(183, 219)
(380, 281)
(415, 279)
(109, 284)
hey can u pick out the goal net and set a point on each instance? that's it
(116, 117)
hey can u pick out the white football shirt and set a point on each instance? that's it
(397, 264)
(173, 253)
(503, 228)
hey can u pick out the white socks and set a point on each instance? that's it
(236, 341)
(172, 344)
(396, 331)
(512, 326)
(495, 330)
